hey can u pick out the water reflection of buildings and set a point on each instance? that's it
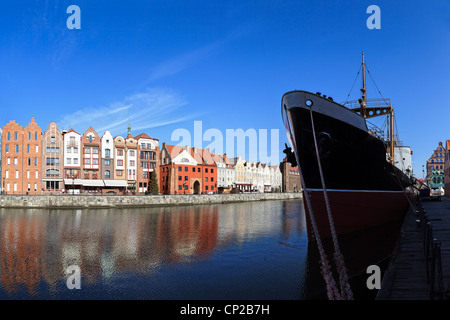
(38, 245)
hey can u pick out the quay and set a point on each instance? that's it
(129, 201)
(420, 266)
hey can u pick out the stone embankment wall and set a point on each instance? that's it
(113, 201)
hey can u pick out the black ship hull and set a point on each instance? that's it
(364, 189)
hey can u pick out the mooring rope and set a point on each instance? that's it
(332, 290)
(346, 291)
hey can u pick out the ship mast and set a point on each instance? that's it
(376, 108)
(363, 100)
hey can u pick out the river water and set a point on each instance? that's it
(250, 250)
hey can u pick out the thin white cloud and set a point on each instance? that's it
(149, 109)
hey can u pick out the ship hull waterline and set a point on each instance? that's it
(355, 210)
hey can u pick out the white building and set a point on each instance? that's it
(402, 159)
(72, 161)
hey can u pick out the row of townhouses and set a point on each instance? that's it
(64, 161)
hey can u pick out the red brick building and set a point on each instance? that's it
(187, 170)
(290, 177)
(21, 154)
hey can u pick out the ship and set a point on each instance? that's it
(346, 164)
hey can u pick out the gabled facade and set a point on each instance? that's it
(131, 163)
(147, 160)
(186, 170)
(435, 168)
(52, 160)
(119, 158)
(21, 151)
(107, 156)
(72, 162)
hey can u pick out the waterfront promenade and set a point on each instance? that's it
(410, 274)
(116, 201)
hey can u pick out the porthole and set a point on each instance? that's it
(309, 103)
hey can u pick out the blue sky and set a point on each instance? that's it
(165, 64)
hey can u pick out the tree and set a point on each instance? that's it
(153, 183)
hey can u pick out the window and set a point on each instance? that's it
(28, 148)
(7, 187)
(132, 153)
(198, 169)
(212, 179)
(120, 152)
(69, 150)
(185, 168)
(15, 161)
(107, 174)
(193, 169)
(28, 174)
(6, 174)
(206, 187)
(179, 168)
(87, 150)
(15, 136)
(75, 149)
(120, 162)
(7, 148)
(75, 160)
(52, 140)
(179, 178)
(15, 186)
(107, 162)
(9, 136)
(35, 162)
(132, 163)
(17, 148)
(37, 149)
(29, 136)
(52, 173)
(17, 174)
(212, 170)
(179, 187)
(29, 161)
(87, 161)
(206, 179)
(185, 178)
(107, 153)
(206, 170)
(69, 161)
(35, 136)
(36, 174)
(95, 161)
(95, 150)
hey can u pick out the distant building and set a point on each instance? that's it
(447, 169)
(291, 181)
(147, 160)
(435, 168)
(402, 159)
(72, 162)
(131, 163)
(52, 160)
(187, 170)
(21, 151)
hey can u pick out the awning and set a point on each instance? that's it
(72, 181)
(92, 183)
(115, 183)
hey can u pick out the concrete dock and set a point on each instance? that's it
(420, 266)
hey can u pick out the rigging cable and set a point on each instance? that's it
(356, 78)
(346, 291)
(332, 290)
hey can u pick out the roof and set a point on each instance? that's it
(143, 135)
